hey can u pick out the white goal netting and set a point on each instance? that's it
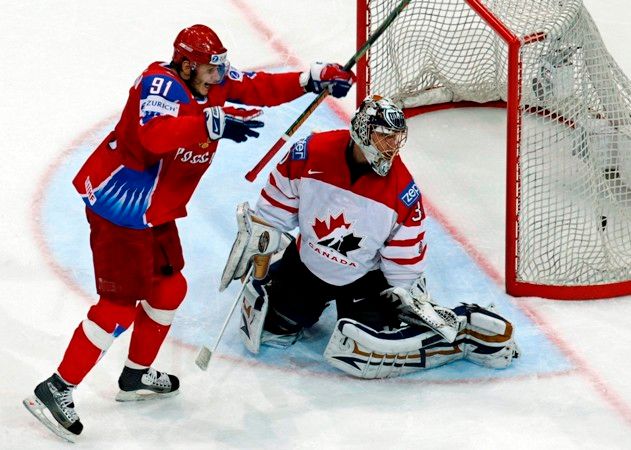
(574, 136)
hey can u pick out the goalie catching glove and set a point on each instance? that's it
(328, 76)
(236, 124)
(256, 240)
(416, 308)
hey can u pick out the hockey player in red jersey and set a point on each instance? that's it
(361, 242)
(136, 183)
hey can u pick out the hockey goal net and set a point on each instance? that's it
(568, 209)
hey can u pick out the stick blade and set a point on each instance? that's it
(203, 358)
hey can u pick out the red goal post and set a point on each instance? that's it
(568, 137)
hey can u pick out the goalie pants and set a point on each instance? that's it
(139, 281)
(297, 297)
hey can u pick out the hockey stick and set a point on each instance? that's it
(205, 353)
(252, 174)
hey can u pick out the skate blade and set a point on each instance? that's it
(37, 408)
(138, 396)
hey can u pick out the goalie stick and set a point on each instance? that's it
(252, 174)
(205, 353)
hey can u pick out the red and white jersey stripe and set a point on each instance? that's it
(346, 229)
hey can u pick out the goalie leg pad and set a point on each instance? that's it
(489, 339)
(253, 238)
(254, 312)
(363, 352)
(254, 307)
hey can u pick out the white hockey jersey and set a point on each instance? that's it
(346, 229)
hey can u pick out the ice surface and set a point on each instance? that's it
(68, 66)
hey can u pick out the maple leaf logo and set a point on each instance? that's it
(321, 228)
(335, 234)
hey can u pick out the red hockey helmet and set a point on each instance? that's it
(200, 45)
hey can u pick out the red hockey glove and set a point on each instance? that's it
(231, 123)
(327, 76)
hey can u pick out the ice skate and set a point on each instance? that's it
(146, 384)
(55, 397)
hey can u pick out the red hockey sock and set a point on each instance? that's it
(146, 339)
(93, 336)
(81, 355)
(154, 317)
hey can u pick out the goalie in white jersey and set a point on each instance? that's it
(361, 244)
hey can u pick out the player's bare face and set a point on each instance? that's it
(388, 144)
(204, 77)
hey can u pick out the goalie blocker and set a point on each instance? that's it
(484, 338)
(256, 241)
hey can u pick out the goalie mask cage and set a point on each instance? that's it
(568, 105)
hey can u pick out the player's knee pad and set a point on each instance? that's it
(167, 294)
(365, 353)
(488, 337)
(107, 319)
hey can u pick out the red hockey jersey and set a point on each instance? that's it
(144, 173)
(346, 229)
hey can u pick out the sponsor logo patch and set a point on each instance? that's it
(410, 194)
(218, 59)
(395, 119)
(263, 241)
(157, 105)
(235, 74)
(299, 150)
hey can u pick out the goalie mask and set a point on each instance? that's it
(378, 128)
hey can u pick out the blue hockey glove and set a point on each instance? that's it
(236, 124)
